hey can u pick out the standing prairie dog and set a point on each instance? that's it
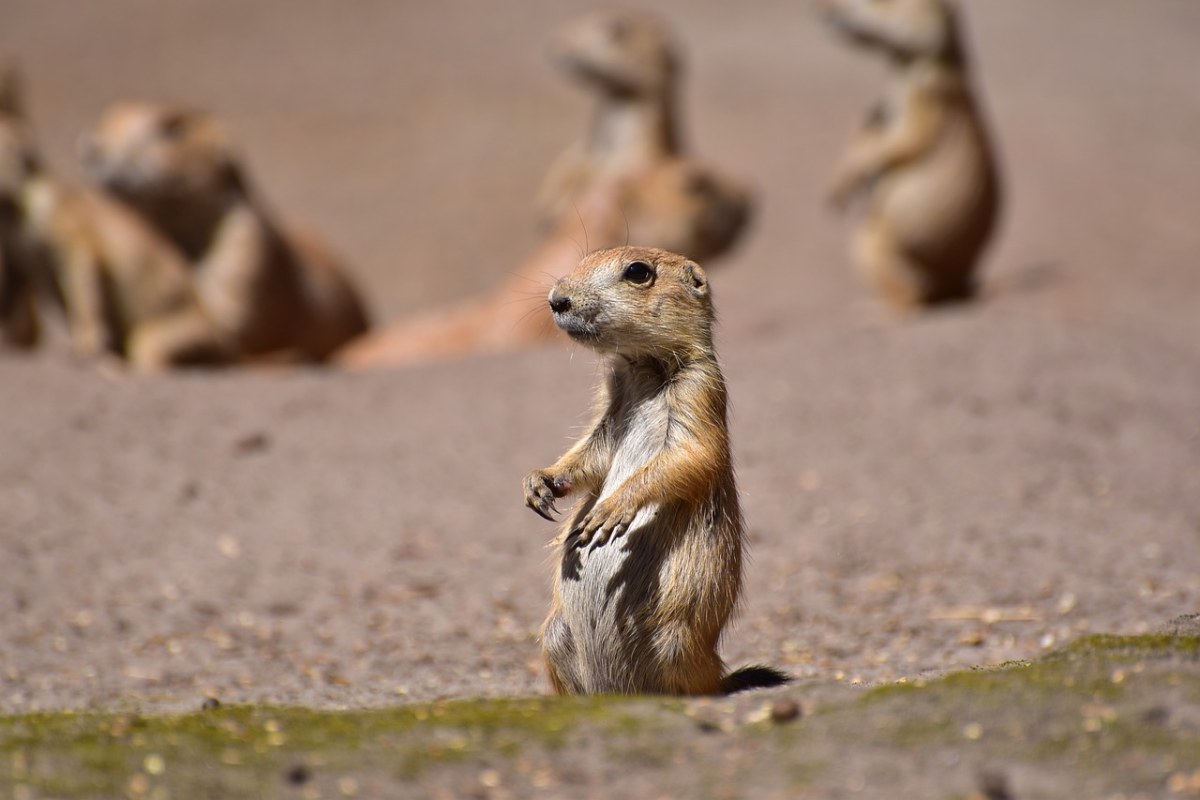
(650, 565)
(924, 159)
(272, 291)
(122, 290)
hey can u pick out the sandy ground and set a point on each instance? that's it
(969, 487)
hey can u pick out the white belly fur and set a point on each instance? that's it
(593, 606)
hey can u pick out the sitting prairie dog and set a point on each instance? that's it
(120, 288)
(650, 564)
(271, 290)
(677, 204)
(924, 160)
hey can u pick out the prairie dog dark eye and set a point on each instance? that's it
(638, 272)
(618, 30)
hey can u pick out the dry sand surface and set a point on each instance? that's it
(963, 488)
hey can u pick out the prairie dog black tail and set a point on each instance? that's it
(753, 677)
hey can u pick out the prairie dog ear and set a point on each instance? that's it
(696, 280)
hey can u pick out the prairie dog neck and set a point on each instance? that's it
(191, 220)
(634, 128)
(634, 377)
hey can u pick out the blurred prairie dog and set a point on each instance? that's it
(924, 160)
(631, 64)
(122, 290)
(676, 203)
(650, 565)
(634, 147)
(508, 317)
(273, 291)
(624, 183)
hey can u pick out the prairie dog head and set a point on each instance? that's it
(621, 53)
(904, 29)
(146, 152)
(636, 301)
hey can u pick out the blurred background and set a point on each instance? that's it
(414, 135)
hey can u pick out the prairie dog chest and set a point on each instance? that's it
(639, 429)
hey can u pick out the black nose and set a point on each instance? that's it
(559, 303)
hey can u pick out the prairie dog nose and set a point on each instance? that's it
(559, 302)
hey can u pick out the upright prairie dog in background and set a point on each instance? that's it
(650, 565)
(924, 160)
(272, 291)
(633, 66)
(121, 289)
(631, 63)
(625, 183)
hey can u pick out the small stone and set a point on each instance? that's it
(785, 709)
(1067, 603)
(297, 774)
(973, 638)
(994, 785)
(1157, 715)
(210, 704)
(252, 443)
(228, 546)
